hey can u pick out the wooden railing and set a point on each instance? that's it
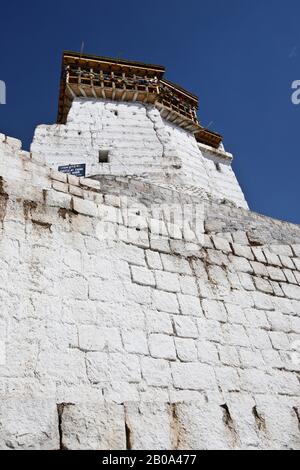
(120, 86)
(131, 82)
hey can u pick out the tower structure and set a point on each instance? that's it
(125, 118)
(142, 304)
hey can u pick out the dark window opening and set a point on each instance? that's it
(103, 156)
(218, 167)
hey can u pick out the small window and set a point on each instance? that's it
(218, 167)
(103, 156)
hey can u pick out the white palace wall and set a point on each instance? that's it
(140, 143)
(154, 334)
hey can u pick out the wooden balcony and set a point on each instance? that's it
(207, 137)
(119, 80)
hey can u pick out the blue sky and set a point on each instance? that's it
(239, 56)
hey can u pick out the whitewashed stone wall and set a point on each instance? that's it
(140, 143)
(134, 340)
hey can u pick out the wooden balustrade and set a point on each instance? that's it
(120, 80)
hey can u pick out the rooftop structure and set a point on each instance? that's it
(123, 118)
(89, 76)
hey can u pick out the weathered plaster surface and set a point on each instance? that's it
(127, 339)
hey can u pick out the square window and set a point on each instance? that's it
(103, 156)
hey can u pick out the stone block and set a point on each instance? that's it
(165, 301)
(60, 187)
(207, 352)
(90, 183)
(221, 244)
(153, 260)
(92, 426)
(186, 350)
(214, 310)
(175, 264)
(135, 342)
(85, 207)
(58, 176)
(243, 251)
(229, 355)
(142, 276)
(162, 347)
(166, 281)
(188, 285)
(259, 254)
(291, 291)
(149, 425)
(29, 423)
(251, 358)
(156, 372)
(93, 338)
(241, 264)
(55, 199)
(190, 305)
(193, 376)
(16, 144)
(185, 327)
(279, 340)
(227, 379)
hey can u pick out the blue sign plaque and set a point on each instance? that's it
(76, 170)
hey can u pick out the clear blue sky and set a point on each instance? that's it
(239, 56)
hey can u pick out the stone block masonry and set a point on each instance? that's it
(132, 339)
(137, 142)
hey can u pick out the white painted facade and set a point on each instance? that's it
(141, 144)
